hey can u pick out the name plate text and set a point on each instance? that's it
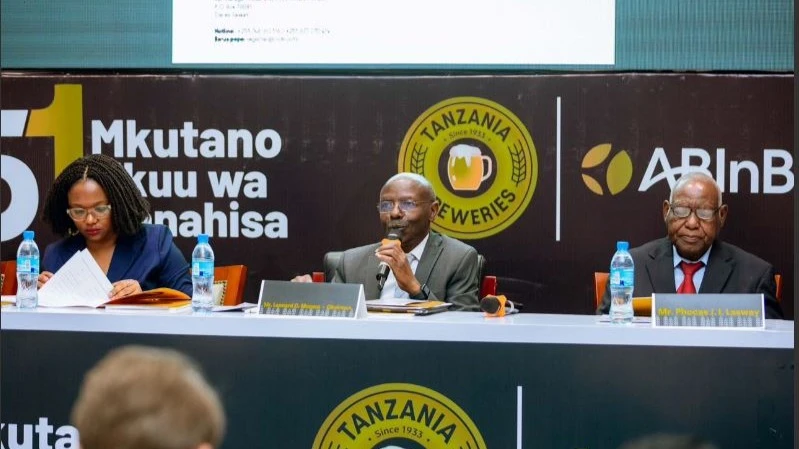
(312, 299)
(717, 310)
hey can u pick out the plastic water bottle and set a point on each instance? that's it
(622, 276)
(202, 276)
(27, 272)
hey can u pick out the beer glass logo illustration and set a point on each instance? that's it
(465, 168)
(481, 161)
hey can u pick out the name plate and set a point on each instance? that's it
(716, 310)
(311, 299)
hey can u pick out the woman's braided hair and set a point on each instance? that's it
(128, 208)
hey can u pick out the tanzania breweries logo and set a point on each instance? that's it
(398, 416)
(63, 121)
(617, 173)
(481, 161)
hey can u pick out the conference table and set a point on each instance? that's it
(450, 380)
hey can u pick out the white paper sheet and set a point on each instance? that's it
(79, 282)
(242, 306)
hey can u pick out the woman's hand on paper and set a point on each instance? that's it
(44, 276)
(125, 287)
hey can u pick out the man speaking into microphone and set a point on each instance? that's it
(412, 261)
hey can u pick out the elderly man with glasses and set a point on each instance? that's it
(692, 259)
(423, 264)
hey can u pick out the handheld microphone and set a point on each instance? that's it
(497, 306)
(383, 268)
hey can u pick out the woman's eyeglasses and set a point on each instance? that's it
(80, 214)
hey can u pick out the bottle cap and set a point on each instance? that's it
(27, 235)
(202, 238)
(622, 246)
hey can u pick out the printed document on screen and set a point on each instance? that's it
(411, 32)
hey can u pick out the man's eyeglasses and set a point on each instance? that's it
(80, 214)
(385, 207)
(685, 212)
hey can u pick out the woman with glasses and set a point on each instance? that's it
(95, 205)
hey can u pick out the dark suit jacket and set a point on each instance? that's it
(729, 270)
(448, 267)
(150, 257)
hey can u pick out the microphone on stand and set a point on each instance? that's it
(383, 269)
(497, 306)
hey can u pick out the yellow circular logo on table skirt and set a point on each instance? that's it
(481, 161)
(398, 415)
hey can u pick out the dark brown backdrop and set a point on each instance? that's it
(341, 139)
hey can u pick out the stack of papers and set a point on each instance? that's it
(158, 299)
(417, 307)
(82, 283)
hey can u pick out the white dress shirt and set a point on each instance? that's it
(390, 288)
(679, 276)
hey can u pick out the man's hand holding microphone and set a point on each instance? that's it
(394, 258)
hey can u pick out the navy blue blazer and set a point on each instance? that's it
(150, 257)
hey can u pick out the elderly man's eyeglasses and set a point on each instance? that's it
(80, 214)
(685, 212)
(385, 207)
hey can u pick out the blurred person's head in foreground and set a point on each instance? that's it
(139, 397)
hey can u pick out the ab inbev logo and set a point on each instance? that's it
(617, 173)
(63, 121)
(609, 170)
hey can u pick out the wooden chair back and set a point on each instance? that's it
(233, 279)
(8, 277)
(600, 283)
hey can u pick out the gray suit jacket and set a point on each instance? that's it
(448, 267)
(729, 270)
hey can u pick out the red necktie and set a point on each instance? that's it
(689, 269)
